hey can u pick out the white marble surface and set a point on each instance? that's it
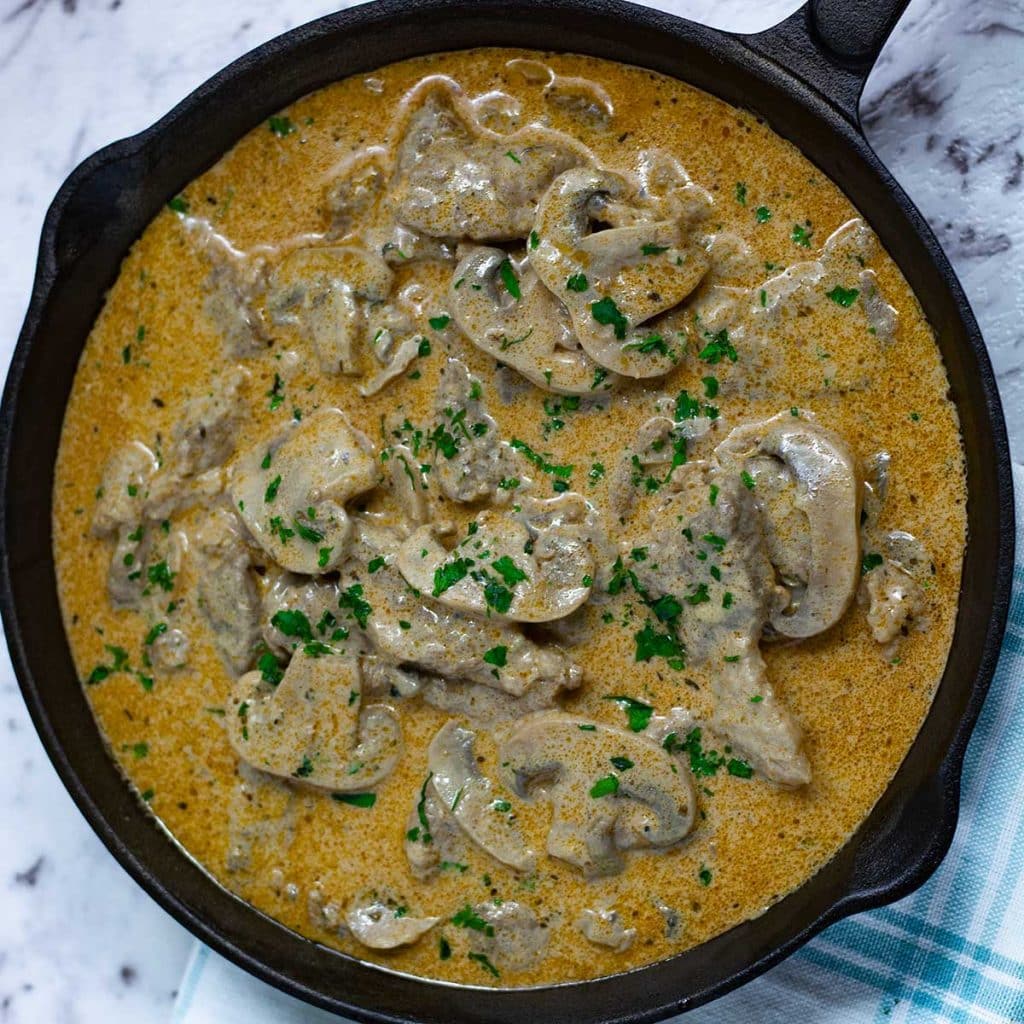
(79, 942)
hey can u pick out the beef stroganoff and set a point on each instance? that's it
(509, 517)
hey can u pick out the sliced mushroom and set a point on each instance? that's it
(380, 925)
(517, 567)
(615, 280)
(470, 459)
(531, 332)
(605, 928)
(827, 491)
(291, 492)
(312, 726)
(456, 178)
(611, 790)
(432, 835)
(408, 628)
(470, 797)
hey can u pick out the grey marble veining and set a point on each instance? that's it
(944, 108)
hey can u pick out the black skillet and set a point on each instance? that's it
(804, 77)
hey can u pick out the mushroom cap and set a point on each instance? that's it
(616, 280)
(639, 800)
(828, 492)
(379, 925)
(312, 727)
(547, 569)
(292, 490)
(532, 334)
(469, 796)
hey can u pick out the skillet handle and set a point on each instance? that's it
(832, 45)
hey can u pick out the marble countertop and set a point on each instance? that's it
(944, 108)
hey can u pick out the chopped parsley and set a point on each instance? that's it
(269, 668)
(421, 832)
(280, 125)
(652, 644)
(292, 622)
(509, 279)
(467, 917)
(497, 656)
(352, 601)
(801, 235)
(607, 313)
(763, 215)
(844, 297)
(687, 408)
(447, 575)
(439, 323)
(497, 597)
(577, 283)
(607, 786)
(179, 204)
(622, 763)
(276, 393)
(282, 532)
(652, 343)
(485, 963)
(748, 481)
(509, 571)
(651, 249)
(160, 575)
(534, 240)
(158, 629)
(871, 560)
(718, 347)
(741, 193)
(366, 800)
(562, 472)
(272, 488)
(637, 712)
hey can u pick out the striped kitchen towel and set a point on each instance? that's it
(950, 953)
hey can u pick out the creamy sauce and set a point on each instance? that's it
(178, 321)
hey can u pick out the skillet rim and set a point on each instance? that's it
(940, 789)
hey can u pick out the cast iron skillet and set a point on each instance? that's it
(804, 76)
